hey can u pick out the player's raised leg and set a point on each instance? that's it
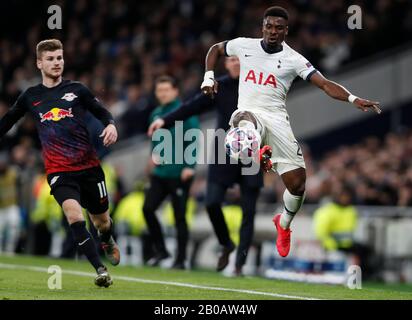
(246, 119)
(84, 240)
(104, 225)
(293, 198)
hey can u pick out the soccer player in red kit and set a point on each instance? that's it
(72, 166)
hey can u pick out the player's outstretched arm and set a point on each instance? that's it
(338, 92)
(194, 106)
(209, 84)
(156, 124)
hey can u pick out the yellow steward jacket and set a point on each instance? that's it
(334, 225)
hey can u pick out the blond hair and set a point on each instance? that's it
(48, 45)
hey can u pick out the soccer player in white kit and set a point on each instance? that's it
(268, 67)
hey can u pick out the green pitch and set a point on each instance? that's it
(25, 277)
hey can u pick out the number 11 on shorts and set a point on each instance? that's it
(102, 189)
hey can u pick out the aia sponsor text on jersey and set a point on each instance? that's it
(261, 78)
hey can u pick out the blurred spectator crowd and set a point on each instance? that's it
(379, 172)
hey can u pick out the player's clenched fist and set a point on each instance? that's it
(209, 84)
(109, 135)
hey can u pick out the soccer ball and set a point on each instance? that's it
(242, 143)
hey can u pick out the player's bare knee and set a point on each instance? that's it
(72, 211)
(73, 216)
(295, 181)
(244, 115)
(297, 188)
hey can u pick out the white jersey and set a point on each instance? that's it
(265, 78)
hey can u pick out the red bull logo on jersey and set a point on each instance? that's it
(56, 114)
(261, 78)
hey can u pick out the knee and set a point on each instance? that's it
(297, 187)
(244, 115)
(72, 211)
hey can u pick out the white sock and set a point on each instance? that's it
(246, 124)
(292, 205)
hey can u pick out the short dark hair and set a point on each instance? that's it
(168, 79)
(347, 188)
(48, 45)
(276, 11)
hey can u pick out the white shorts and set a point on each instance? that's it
(276, 132)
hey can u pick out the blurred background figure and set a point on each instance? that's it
(169, 177)
(131, 231)
(46, 222)
(10, 220)
(134, 113)
(335, 224)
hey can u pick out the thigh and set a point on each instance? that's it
(249, 198)
(286, 151)
(93, 191)
(215, 193)
(294, 180)
(64, 186)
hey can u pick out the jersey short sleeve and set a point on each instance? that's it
(303, 67)
(234, 46)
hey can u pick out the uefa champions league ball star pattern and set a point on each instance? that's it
(242, 143)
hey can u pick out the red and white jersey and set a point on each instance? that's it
(265, 78)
